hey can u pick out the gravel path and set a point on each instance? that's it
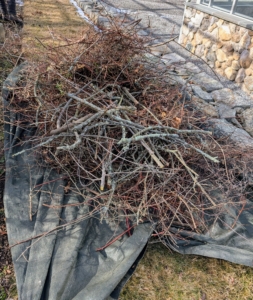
(165, 17)
(162, 20)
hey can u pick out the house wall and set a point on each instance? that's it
(225, 46)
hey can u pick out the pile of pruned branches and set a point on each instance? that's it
(108, 117)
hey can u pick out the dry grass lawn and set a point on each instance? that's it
(166, 275)
(45, 20)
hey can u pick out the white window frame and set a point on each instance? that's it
(231, 12)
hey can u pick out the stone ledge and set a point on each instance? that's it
(222, 15)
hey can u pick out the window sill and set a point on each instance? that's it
(222, 15)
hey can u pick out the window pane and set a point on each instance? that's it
(244, 8)
(223, 4)
(206, 2)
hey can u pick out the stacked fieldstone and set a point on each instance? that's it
(226, 47)
(230, 114)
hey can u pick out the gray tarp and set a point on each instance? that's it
(64, 264)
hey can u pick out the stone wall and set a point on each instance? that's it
(226, 47)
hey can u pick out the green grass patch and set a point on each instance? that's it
(3, 294)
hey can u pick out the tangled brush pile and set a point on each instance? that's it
(109, 118)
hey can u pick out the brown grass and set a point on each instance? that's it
(41, 17)
(166, 275)
(44, 17)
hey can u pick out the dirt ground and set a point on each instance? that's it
(7, 279)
